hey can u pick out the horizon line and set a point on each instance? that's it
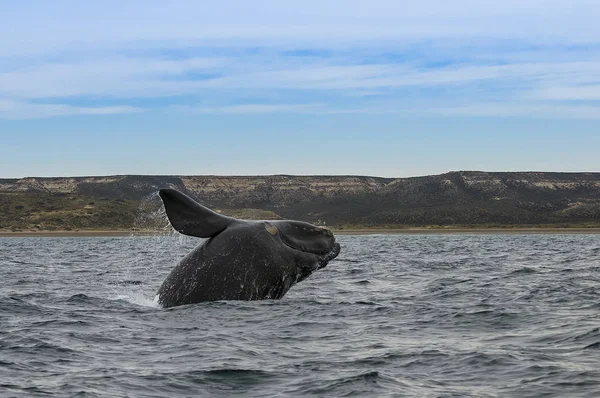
(294, 175)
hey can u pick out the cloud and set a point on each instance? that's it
(242, 109)
(150, 78)
(103, 76)
(23, 110)
(51, 27)
(371, 76)
(436, 108)
(528, 110)
(290, 57)
(582, 93)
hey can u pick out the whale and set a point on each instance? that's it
(240, 259)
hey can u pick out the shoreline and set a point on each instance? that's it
(467, 230)
(353, 231)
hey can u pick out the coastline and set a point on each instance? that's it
(61, 233)
(467, 230)
(353, 231)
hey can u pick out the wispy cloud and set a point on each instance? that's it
(582, 93)
(23, 110)
(143, 77)
(522, 110)
(245, 109)
(67, 24)
(109, 77)
(309, 57)
(433, 109)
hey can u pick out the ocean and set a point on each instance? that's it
(394, 315)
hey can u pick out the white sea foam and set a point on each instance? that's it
(138, 298)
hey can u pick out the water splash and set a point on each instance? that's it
(138, 298)
(151, 217)
(154, 248)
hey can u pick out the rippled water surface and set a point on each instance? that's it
(394, 315)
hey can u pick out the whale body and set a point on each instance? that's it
(241, 259)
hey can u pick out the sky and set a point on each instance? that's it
(381, 87)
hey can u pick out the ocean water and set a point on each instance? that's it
(394, 315)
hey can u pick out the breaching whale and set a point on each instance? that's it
(242, 259)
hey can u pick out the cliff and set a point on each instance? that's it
(464, 198)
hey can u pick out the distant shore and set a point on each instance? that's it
(467, 230)
(59, 233)
(353, 231)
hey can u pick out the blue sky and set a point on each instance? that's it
(387, 88)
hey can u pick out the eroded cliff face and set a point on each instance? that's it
(278, 191)
(491, 198)
(233, 190)
(455, 198)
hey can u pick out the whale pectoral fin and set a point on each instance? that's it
(305, 237)
(191, 218)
